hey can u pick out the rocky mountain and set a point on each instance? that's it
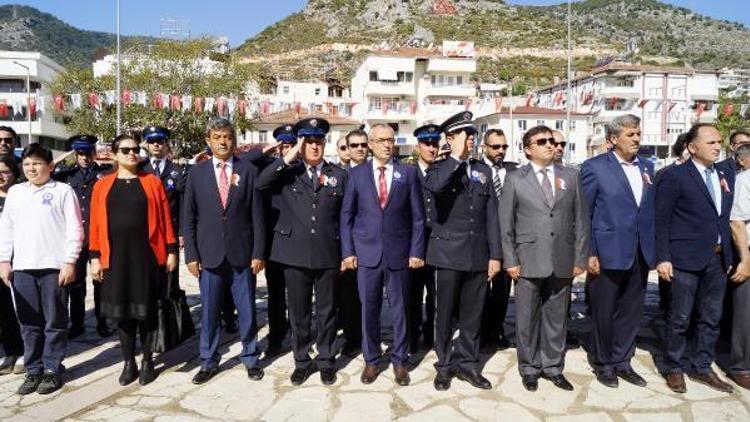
(523, 41)
(28, 29)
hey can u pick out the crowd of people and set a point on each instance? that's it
(444, 240)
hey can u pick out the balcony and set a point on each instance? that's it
(393, 111)
(390, 88)
(621, 91)
(444, 90)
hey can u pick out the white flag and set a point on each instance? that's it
(75, 99)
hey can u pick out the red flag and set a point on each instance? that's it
(297, 107)
(94, 100)
(671, 105)
(498, 104)
(728, 109)
(3, 108)
(642, 103)
(126, 98)
(59, 103)
(198, 105)
(613, 102)
(174, 102)
(156, 100)
(386, 105)
(265, 107)
(699, 110)
(413, 107)
(242, 105)
(32, 106)
(528, 100)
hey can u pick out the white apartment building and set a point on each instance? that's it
(14, 102)
(330, 97)
(411, 87)
(668, 100)
(523, 118)
(735, 81)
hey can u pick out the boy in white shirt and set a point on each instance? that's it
(41, 239)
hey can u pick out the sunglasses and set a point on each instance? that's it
(560, 144)
(360, 145)
(343, 147)
(7, 140)
(545, 141)
(129, 150)
(497, 147)
(155, 141)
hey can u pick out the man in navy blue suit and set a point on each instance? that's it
(224, 231)
(694, 252)
(382, 236)
(620, 192)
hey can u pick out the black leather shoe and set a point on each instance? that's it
(300, 375)
(103, 329)
(530, 382)
(560, 382)
(255, 373)
(632, 377)
(75, 331)
(442, 381)
(475, 379)
(129, 373)
(607, 379)
(148, 373)
(328, 376)
(204, 375)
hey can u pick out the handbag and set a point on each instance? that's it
(175, 324)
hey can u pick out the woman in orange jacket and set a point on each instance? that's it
(132, 247)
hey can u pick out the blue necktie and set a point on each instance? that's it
(710, 184)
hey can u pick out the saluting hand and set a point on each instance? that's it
(271, 148)
(67, 275)
(665, 270)
(415, 263)
(291, 155)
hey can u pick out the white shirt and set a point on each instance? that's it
(318, 169)
(741, 205)
(550, 174)
(495, 171)
(388, 175)
(217, 170)
(41, 226)
(633, 174)
(715, 182)
(423, 168)
(160, 168)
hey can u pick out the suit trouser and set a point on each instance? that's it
(541, 324)
(10, 331)
(77, 292)
(461, 292)
(699, 295)
(616, 309)
(277, 306)
(422, 281)
(349, 313)
(496, 307)
(739, 358)
(396, 282)
(300, 285)
(212, 283)
(42, 307)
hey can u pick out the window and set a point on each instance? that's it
(317, 91)
(522, 124)
(540, 122)
(263, 136)
(572, 125)
(404, 76)
(459, 80)
(559, 124)
(655, 92)
(572, 147)
(373, 76)
(286, 89)
(17, 85)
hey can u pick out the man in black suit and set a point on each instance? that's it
(308, 193)
(423, 279)
(496, 306)
(464, 246)
(225, 241)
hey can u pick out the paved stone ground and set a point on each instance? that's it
(92, 392)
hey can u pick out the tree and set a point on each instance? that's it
(169, 67)
(729, 117)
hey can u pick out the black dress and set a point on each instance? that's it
(133, 282)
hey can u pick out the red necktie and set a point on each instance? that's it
(382, 188)
(223, 185)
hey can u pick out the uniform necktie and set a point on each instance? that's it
(546, 186)
(710, 184)
(497, 182)
(223, 185)
(157, 168)
(382, 188)
(314, 176)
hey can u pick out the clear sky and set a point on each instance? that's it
(241, 19)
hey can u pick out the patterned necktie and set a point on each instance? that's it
(157, 168)
(710, 184)
(497, 182)
(382, 188)
(223, 185)
(546, 186)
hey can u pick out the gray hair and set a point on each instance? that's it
(742, 152)
(220, 124)
(614, 128)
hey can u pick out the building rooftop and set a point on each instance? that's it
(291, 116)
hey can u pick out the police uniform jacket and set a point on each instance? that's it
(173, 178)
(82, 181)
(306, 234)
(465, 231)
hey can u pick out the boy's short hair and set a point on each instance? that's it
(36, 150)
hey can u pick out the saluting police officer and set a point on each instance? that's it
(309, 194)
(423, 279)
(172, 176)
(464, 246)
(81, 177)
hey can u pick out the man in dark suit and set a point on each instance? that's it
(736, 140)
(382, 237)
(619, 189)
(545, 238)
(224, 230)
(694, 252)
(494, 147)
(464, 247)
(309, 193)
(423, 279)
(81, 177)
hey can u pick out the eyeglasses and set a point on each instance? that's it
(7, 141)
(129, 150)
(359, 145)
(343, 147)
(497, 147)
(384, 141)
(560, 144)
(544, 141)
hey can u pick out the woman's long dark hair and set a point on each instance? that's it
(10, 161)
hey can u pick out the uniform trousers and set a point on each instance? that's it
(77, 292)
(301, 284)
(422, 323)
(349, 308)
(42, 307)
(541, 324)
(461, 294)
(277, 302)
(10, 331)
